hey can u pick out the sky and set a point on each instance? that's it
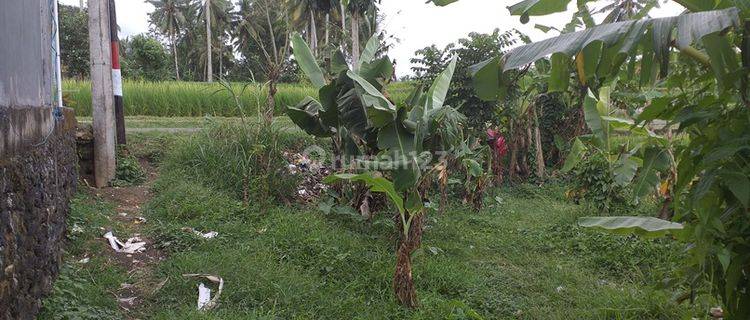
(416, 24)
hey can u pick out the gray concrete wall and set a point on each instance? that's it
(26, 68)
(38, 160)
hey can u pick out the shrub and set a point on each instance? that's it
(594, 183)
(128, 171)
(246, 160)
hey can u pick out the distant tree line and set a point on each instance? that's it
(249, 39)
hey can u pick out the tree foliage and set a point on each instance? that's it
(709, 190)
(145, 58)
(74, 41)
(430, 61)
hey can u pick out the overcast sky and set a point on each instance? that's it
(417, 24)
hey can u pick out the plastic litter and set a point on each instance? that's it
(207, 235)
(205, 302)
(132, 245)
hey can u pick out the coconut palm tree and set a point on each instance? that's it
(218, 17)
(302, 15)
(169, 18)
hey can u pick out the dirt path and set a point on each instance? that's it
(129, 202)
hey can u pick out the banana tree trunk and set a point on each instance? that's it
(403, 281)
(313, 34)
(355, 38)
(271, 99)
(538, 146)
(512, 167)
(328, 28)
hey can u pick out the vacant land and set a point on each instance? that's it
(521, 257)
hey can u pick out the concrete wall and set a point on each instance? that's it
(38, 173)
(26, 66)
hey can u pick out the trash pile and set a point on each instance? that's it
(311, 172)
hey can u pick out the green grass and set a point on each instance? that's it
(195, 99)
(523, 256)
(84, 290)
(138, 122)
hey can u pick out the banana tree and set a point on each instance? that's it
(340, 111)
(712, 188)
(355, 110)
(408, 137)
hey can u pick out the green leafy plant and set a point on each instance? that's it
(617, 155)
(710, 191)
(404, 138)
(128, 171)
(430, 61)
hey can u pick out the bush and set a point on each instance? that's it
(128, 171)
(246, 161)
(594, 183)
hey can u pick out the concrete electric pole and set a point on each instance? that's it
(102, 96)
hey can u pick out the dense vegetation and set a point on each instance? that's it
(635, 126)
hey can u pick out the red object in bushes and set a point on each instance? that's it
(497, 143)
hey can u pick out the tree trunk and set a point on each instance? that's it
(513, 154)
(328, 28)
(355, 38)
(538, 145)
(313, 34)
(221, 60)
(209, 60)
(174, 53)
(403, 281)
(270, 101)
(343, 27)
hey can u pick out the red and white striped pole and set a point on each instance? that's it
(116, 75)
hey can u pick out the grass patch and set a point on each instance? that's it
(195, 99)
(85, 290)
(523, 256)
(245, 161)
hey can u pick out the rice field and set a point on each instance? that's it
(195, 99)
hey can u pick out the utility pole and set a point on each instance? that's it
(116, 75)
(102, 97)
(81, 2)
(209, 66)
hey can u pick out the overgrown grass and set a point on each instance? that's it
(246, 161)
(84, 290)
(523, 258)
(192, 99)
